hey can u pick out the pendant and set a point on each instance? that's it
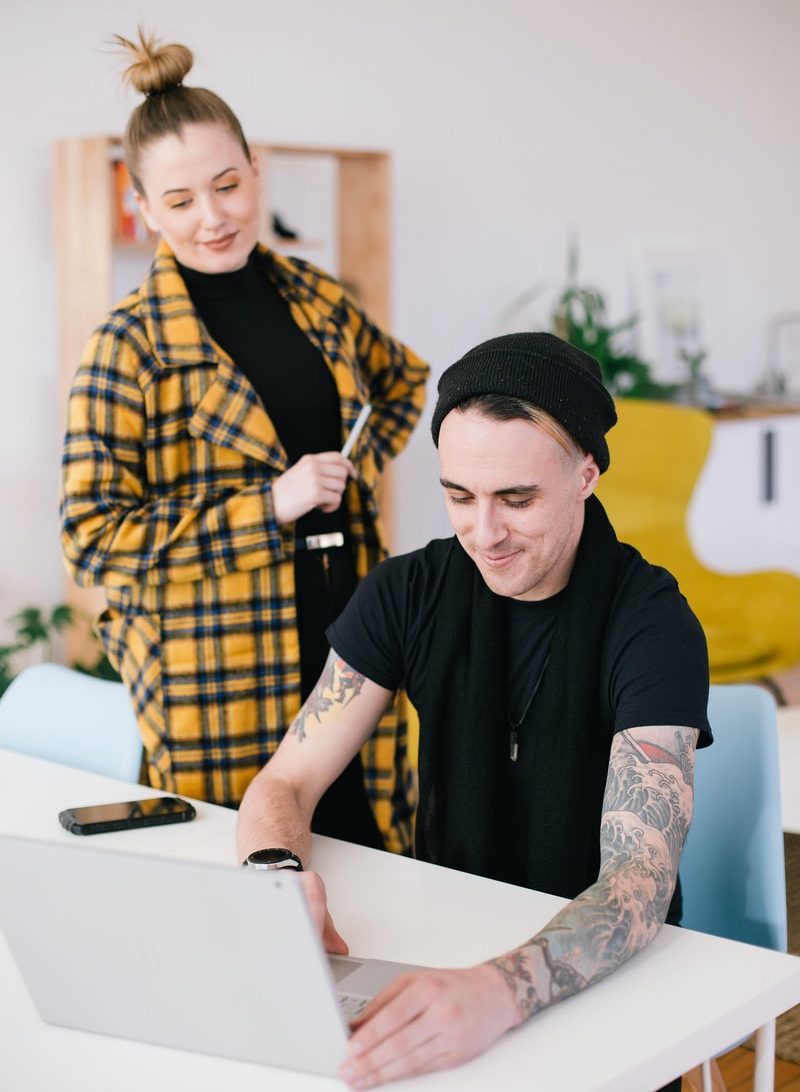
(514, 750)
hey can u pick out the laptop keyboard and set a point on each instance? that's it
(352, 1004)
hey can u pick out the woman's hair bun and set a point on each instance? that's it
(155, 67)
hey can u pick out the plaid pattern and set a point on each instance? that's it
(166, 502)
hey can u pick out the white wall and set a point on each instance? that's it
(512, 124)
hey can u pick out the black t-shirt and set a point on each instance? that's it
(654, 666)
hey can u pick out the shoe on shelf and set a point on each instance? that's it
(280, 228)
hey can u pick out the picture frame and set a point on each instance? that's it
(670, 288)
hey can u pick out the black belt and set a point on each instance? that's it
(330, 541)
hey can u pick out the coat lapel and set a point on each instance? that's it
(316, 303)
(229, 413)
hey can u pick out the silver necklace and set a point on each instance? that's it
(515, 725)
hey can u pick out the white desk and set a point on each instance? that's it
(686, 997)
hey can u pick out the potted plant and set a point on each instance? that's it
(33, 627)
(580, 318)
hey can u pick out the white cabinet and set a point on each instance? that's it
(745, 511)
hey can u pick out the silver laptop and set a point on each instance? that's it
(184, 954)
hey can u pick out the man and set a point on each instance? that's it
(562, 685)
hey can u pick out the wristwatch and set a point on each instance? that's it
(272, 859)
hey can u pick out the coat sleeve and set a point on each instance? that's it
(395, 377)
(114, 531)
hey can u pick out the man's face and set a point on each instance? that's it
(515, 498)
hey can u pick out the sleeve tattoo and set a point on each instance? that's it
(646, 815)
(338, 685)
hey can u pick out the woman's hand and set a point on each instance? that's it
(315, 481)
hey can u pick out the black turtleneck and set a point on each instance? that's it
(247, 316)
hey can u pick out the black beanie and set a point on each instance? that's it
(538, 368)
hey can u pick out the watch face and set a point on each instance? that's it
(273, 858)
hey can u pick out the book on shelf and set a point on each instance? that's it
(129, 227)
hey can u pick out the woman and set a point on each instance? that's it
(203, 484)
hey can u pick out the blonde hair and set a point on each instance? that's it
(505, 407)
(158, 71)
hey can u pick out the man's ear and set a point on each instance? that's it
(590, 476)
(141, 202)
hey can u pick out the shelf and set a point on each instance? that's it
(146, 246)
(295, 244)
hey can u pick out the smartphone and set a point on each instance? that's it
(100, 818)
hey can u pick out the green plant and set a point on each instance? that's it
(32, 627)
(580, 318)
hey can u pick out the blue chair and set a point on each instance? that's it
(55, 713)
(732, 870)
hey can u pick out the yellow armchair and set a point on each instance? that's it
(751, 620)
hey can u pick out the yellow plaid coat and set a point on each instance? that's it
(166, 502)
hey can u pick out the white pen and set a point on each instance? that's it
(355, 431)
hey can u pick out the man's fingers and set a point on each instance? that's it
(317, 899)
(380, 1001)
(406, 1041)
(332, 939)
(392, 1037)
(425, 1057)
(400, 1003)
(425, 1021)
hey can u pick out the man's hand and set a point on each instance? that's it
(315, 481)
(317, 900)
(426, 1021)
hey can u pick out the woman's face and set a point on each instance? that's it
(202, 195)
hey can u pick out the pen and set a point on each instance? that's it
(355, 431)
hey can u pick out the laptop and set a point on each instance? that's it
(202, 957)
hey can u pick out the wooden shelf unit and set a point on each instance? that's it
(86, 249)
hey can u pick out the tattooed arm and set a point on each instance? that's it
(646, 815)
(339, 715)
(438, 1019)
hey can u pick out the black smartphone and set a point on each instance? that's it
(100, 818)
